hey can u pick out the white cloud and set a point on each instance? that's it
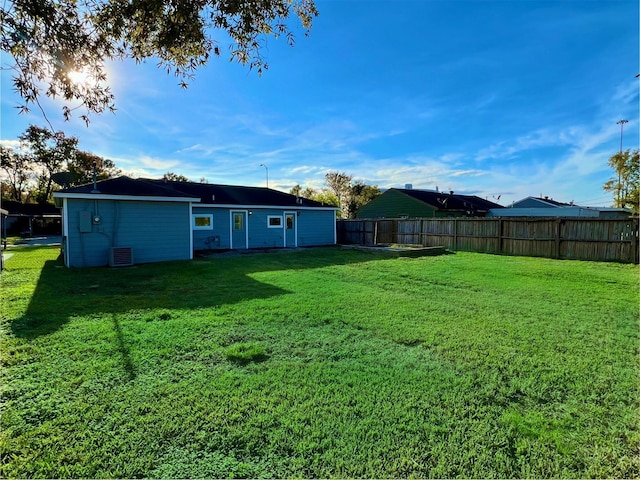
(537, 139)
(468, 173)
(307, 169)
(14, 144)
(157, 163)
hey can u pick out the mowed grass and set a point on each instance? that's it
(320, 363)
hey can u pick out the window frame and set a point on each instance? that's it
(194, 218)
(291, 216)
(280, 222)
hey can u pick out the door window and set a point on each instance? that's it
(237, 221)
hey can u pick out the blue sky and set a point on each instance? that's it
(511, 98)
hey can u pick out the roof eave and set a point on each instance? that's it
(139, 198)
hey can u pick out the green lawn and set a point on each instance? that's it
(320, 363)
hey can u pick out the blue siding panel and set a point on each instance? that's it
(157, 231)
(218, 238)
(260, 236)
(316, 228)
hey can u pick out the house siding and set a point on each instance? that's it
(260, 236)
(314, 228)
(155, 231)
(219, 236)
(393, 204)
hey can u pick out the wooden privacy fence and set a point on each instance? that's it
(614, 240)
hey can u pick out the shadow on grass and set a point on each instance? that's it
(63, 293)
(127, 364)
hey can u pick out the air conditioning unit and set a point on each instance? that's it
(121, 257)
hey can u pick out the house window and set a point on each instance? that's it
(203, 222)
(237, 221)
(289, 222)
(274, 222)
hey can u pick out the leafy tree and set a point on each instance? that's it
(342, 192)
(45, 157)
(50, 151)
(174, 177)
(81, 167)
(361, 194)
(17, 173)
(326, 197)
(340, 185)
(625, 186)
(298, 191)
(351, 195)
(59, 47)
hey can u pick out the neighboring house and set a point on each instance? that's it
(569, 211)
(539, 202)
(29, 219)
(125, 220)
(410, 203)
(547, 207)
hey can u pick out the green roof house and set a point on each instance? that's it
(410, 203)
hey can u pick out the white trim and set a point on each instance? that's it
(65, 232)
(139, 198)
(257, 207)
(201, 215)
(295, 228)
(191, 232)
(246, 227)
(279, 217)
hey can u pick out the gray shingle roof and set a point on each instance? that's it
(448, 201)
(207, 193)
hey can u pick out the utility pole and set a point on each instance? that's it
(267, 169)
(620, 122)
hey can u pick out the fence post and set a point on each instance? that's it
(558, 232)
(455, 234)
(375, 233)
(634, 240)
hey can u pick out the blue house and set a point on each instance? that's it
(122, 221)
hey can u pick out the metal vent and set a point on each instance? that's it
(121, 257)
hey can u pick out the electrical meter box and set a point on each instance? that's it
(85, 222)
